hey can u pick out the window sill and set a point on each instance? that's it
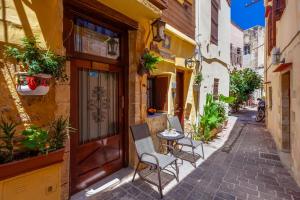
(156, 115)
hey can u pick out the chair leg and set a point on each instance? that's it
(135, 171)
(177, 171)
(194, 157)
(159, 182)
(202, 150)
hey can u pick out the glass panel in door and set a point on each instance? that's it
(98, 105)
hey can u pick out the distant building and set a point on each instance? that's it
(236, 47)
(253, 53)
(213, 37)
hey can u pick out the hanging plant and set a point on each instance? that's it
(148, 63)
(197, 81)
(38, 66)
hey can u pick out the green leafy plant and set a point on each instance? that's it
(210, 118)
(59, 132)
(226, 99)
(8, 130)
(36, 139)
(35, 60)
(242, 84)
(198, 78)
(148, 63)
(213, 116)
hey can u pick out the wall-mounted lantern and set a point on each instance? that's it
(192, 63)
(112, 46)
(158, 30)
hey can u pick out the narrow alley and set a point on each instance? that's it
(250, 169)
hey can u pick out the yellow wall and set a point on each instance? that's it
(180, 50)
(42, 184)
(43, 19)
(287, 29)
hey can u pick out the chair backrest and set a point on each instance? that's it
(142, 139)
(175, 123)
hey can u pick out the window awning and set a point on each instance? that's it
(282, 67)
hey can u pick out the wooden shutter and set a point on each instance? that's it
(216, 89)
(271, 30)
(214, 21)
(161, 86)
(279, 6)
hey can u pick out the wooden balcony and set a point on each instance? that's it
(161, 4)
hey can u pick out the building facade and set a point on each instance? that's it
(253, 54)
(80, 30)
(213, 29)
(282, 69)
(236, 47)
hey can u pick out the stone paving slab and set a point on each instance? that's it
(239, 174)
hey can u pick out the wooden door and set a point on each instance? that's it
(179, 107)
(286, 112)
(96, 113)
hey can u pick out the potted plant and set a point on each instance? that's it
(148, 63)
(37, 67)
(37, 148)
(7, 138)
(197, 82)
(151, 111)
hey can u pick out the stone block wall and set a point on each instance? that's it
(43, 19)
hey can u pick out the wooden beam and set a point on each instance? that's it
(98, 8)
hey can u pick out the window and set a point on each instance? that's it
(247, 49)
(216, 88)
(239, 56)
(238, 51)
(214, 21)
(270, 98)
(157, 93)
(96, 40)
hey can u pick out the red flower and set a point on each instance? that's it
(31, 81)
(44, 82)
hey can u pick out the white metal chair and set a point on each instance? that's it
(187, 140)
(147, 155)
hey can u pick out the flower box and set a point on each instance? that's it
(14, 168)
(37, 84)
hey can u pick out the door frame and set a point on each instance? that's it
(75, 9)
(181, 99)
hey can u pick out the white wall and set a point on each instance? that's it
(218, 56)
(237, 36)
(237, 41)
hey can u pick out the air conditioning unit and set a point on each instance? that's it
(275, 55)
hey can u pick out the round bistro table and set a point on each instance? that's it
(170, 139)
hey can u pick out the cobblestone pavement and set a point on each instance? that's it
(251, 170)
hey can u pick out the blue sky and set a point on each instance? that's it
(247, 17)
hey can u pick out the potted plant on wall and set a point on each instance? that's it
(36, 148)
(148, 63)
(37, 67)
(197, 82)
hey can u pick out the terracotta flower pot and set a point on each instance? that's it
(214, 132)
(219, 129)
(196, 88)
(225, 123)
(37, 84)
(11, 169)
